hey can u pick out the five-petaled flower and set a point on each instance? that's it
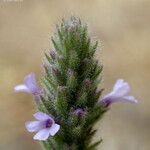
(119, 94)
(45, 126)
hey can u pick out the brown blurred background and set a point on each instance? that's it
(122, 26)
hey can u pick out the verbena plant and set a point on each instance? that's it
(68, 99)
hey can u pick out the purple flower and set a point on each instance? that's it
(45, 126)
(80, 112)
(29, 85)
(119, 94)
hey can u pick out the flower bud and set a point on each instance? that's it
(53, 54)
(55, 70)
(62, 88)
(70, 72)
(80, 112)
(87, 83)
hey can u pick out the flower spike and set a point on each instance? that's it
(69, 91)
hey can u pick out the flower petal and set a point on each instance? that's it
(42, 135)
(30, 82)
(30, 79)
(130, 99)
(41, 116)
(21, 88)
(121, 88)
(33, 126)
(118, 83)
(54, 129)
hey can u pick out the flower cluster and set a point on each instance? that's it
(46, 126)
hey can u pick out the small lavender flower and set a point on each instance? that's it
(119, 94)
(80, 112)
(29, 85)
(45, 126)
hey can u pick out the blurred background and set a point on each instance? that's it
(122, 27)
